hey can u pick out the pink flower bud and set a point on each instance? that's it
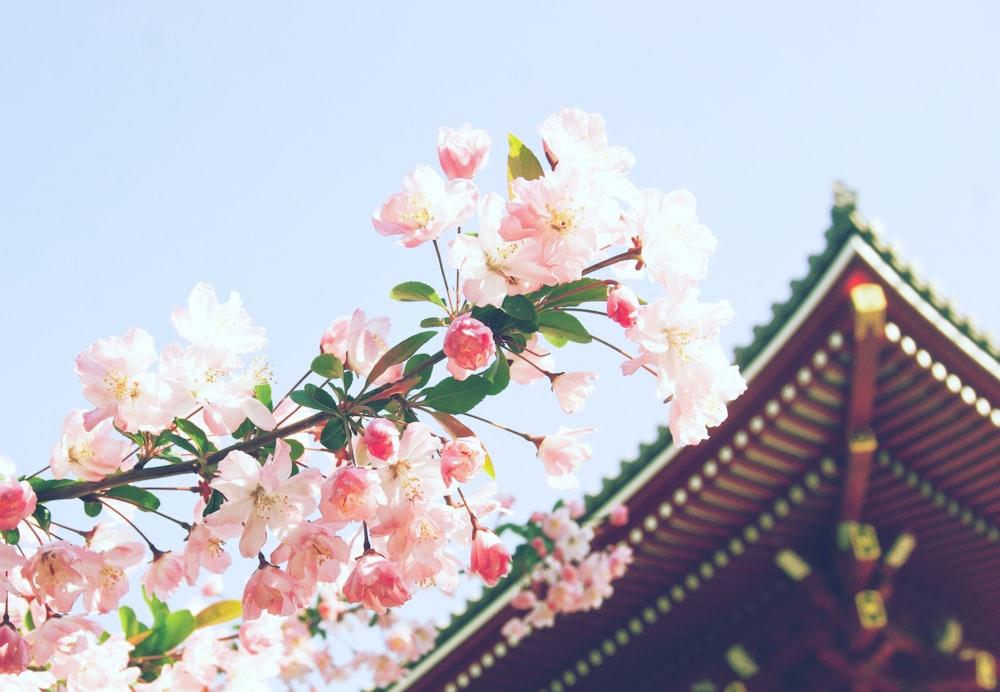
(524, 600)
(273, 590)
(623, 305)
(461, 459)
(618, 515)
(382, 439)
(539, 545)
(376, 583)
(468, 343)
(14, 652)
(490, 557)
(463, 152)
(17, 501)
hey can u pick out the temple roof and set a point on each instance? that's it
(861, 468)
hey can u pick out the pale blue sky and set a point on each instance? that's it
(147, 146)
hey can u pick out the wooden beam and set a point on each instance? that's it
(869, 305)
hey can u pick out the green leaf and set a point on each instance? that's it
(262, 393)
(92, 508)
(313, 397)
(11, 536)
(334, 436)
(451, 396)
(433, 322)
(43, 516)
(570, 294)
(519, 307)
(158, 608)
(415, 292)
(130, 624)
(498, 375)
(559, 327)
(327, 365)
(176, 440)
(415, 362)
(196, 434)
(521, 163)
(296, 448)
(399, 353)
(167, 633)
(217, 613)
(244, 429)
(488, 467)
(143, 499)
(215, 500)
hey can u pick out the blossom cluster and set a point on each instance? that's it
(568, 576)
(556, 228)
(365, 482)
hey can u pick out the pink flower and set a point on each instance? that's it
(469, 345)
(463, 152)
(623, 305)
(226, 326)
(376, 583)
(359, 342)
(59, 637)
(572, 389)
(204, 549)
(515, 630)
(14, 652)
(569, 214)
(490, 557)
(461, 459)
(561, 454)
(680, 337)
(115, 379)
(102, 667)
(201, 375)
(414, 475)
(164, 575)
(579, 139)
(315, 553)
(619, 559)
(350, 494)
(426, 208)
(91, 455)
(272, 590)
(118, 553)
(675, 247)
(493, 268)
(533, 363)
(17, 501)
(59, 572)
(260, 497)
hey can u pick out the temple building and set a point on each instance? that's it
(840, 531)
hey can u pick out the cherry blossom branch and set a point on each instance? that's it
(633, 254)
(444, 277)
